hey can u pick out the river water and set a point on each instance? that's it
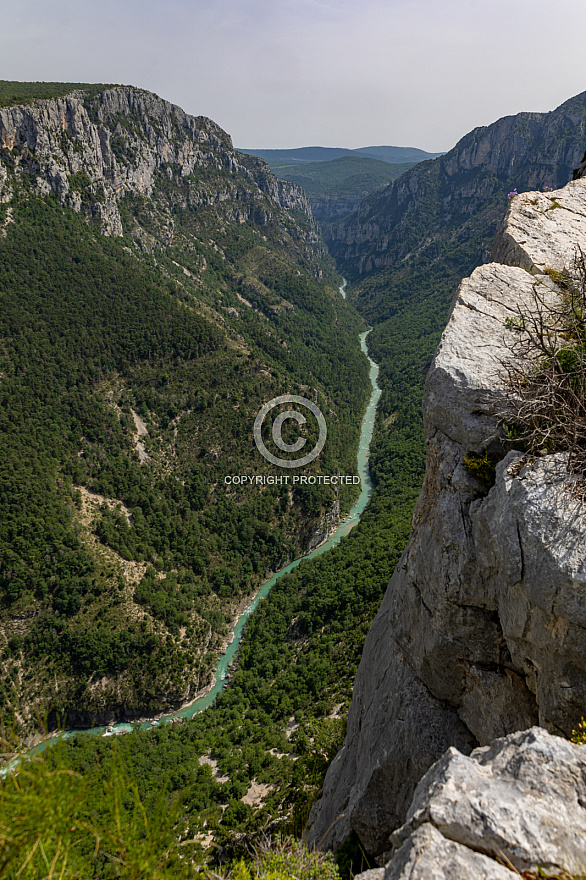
(343, 529)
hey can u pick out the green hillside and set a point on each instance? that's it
(336, 188)
(347, 176)
(281, 719)
(301, 155)
(131, 371)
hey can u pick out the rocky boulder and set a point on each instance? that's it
(515, 805)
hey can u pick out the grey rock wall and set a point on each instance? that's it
(120, 140)
(482, 630)
(513, 806)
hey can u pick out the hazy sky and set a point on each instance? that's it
(287, 73)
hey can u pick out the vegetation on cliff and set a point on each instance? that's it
(407, 248)
(545, 406)
(13, 92)
(131, 372)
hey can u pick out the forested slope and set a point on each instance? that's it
(156, 290)
(253, 763)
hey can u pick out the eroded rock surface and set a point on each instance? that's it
(519, 801)
(428, 855)
(91, 151)
(543, 229)
(482, 630)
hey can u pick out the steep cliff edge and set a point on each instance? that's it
(92, 150)
(482, 629)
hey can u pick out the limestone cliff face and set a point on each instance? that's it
(93, 150)
(460, 192)
(482, 630)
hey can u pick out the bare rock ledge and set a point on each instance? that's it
(518, 803)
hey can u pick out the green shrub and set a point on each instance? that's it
(482, 467)
(579, 736)
(286, 859)
(51, 825)
(545, 392)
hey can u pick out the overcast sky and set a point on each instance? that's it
(289, 73)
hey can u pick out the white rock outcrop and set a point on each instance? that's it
(520, 802)
(482, 631)
(543, 230)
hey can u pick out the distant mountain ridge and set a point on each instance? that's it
(324, 154)
(441, 216)
(335, 179)
(336, 188)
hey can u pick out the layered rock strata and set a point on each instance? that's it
(91, 151)
(482, 630)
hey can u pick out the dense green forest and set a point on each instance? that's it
(280, 720)
(119, 564)
(132, 369)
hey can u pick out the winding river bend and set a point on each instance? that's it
(201, 703)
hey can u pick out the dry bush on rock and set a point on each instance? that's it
(545, 396)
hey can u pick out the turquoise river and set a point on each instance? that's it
(201, 703)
